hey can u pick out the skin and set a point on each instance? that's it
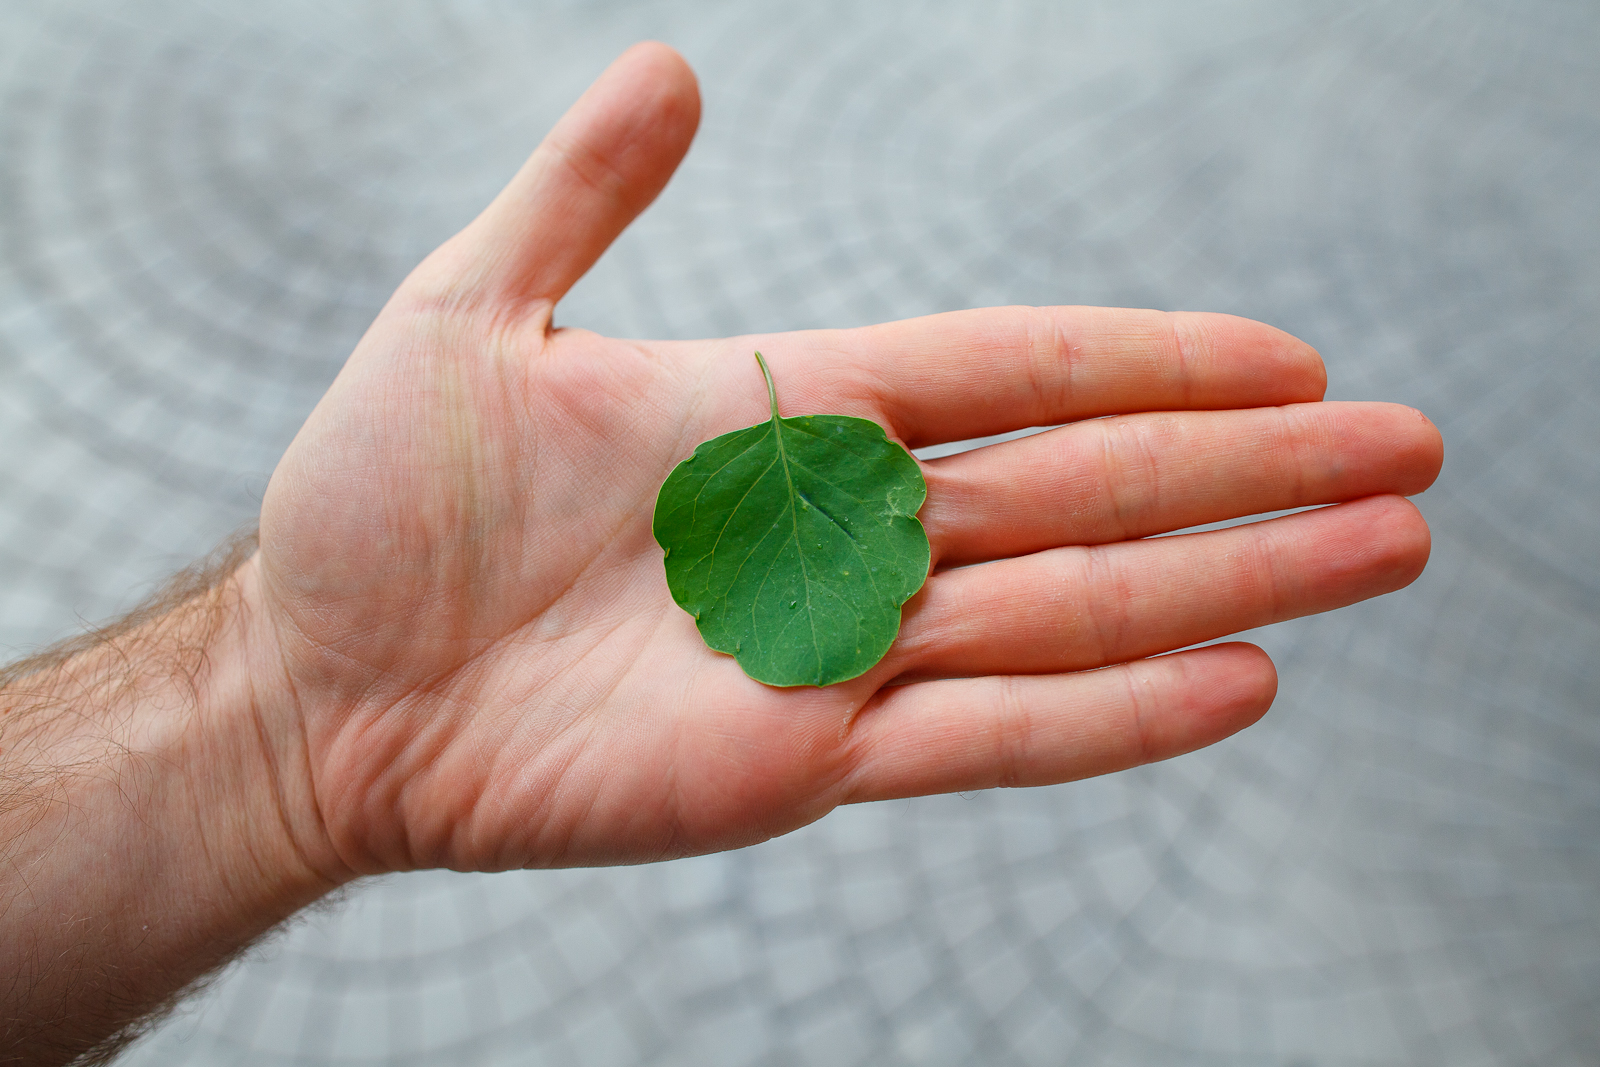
(456, 647)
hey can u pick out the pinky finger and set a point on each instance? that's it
(977, 733)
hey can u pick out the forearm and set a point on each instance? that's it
(144, 832)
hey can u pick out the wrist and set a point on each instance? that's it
(251, 767)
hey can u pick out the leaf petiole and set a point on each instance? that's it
(772, 392)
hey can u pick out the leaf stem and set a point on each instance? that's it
(772, 393)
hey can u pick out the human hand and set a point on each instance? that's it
(474, 658)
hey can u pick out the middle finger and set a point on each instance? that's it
(1134, 475)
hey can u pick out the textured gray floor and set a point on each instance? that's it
(202, 205)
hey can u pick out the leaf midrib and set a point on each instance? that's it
(799, 546)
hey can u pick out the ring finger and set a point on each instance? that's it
(1078, 608)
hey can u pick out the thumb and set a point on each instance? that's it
(602, 164)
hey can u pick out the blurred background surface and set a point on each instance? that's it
(202, 205)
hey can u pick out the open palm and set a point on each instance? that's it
(486, 668)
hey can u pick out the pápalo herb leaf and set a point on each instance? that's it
(795, 542)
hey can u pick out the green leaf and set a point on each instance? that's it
(795, 542)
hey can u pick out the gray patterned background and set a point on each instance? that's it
(203, 204)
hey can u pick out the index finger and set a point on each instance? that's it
(975, 373)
